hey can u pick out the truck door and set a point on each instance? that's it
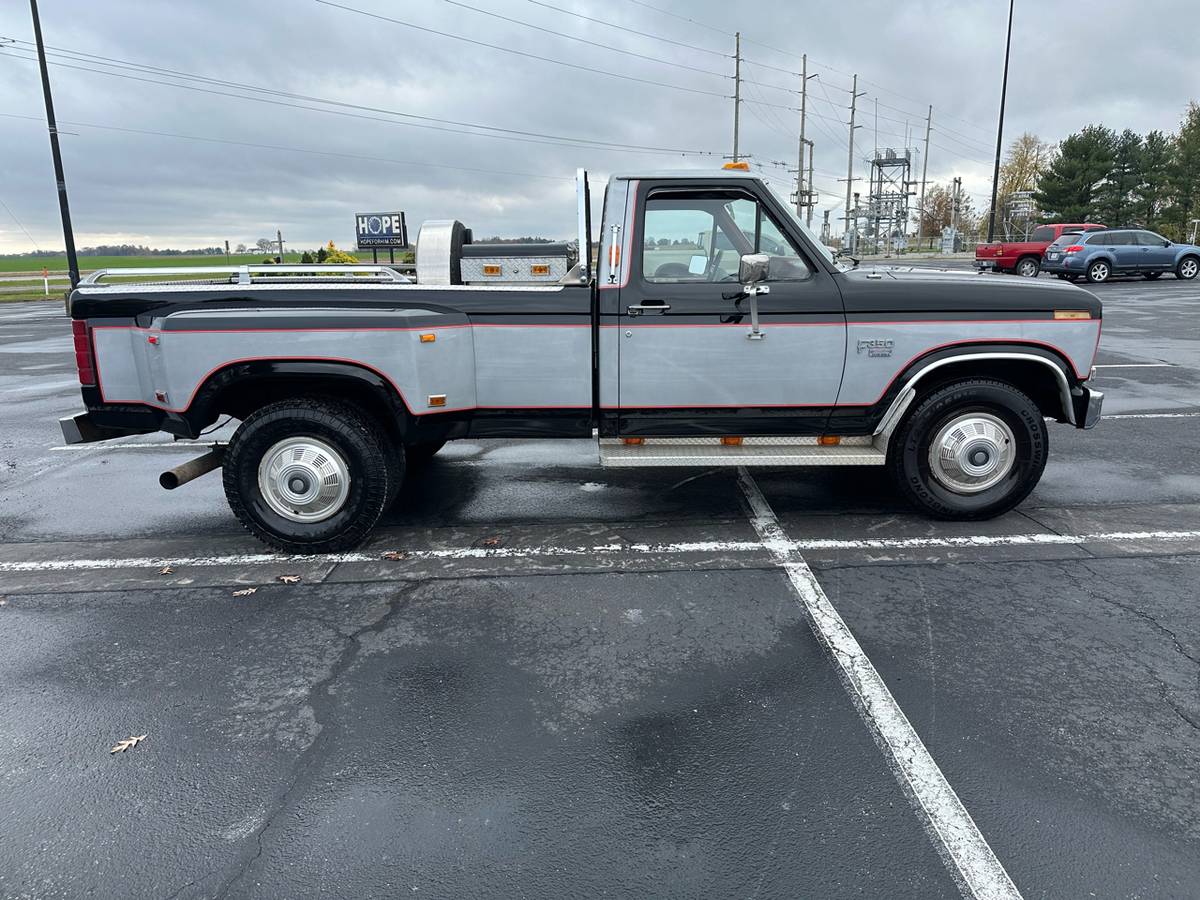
(689, 363)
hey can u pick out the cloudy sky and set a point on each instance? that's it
(256, 79)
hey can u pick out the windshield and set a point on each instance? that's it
(808, 232)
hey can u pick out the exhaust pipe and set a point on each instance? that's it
(173, 478)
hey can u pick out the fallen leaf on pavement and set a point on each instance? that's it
(491, 542)
(289, 579)
(166, 570)
(122, 746)
(394, 555)
(244, 592)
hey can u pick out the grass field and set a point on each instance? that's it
(58, 264)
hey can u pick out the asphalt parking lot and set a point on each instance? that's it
(546, 679)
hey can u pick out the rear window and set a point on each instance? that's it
(1042, 233)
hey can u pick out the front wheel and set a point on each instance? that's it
(1098, 272)
(970, 450)
(1187, 268)
(309, 475)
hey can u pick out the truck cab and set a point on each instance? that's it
(713, 330)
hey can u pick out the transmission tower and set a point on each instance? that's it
(882, 220)
(1020, 214)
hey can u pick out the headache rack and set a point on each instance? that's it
(257, 273)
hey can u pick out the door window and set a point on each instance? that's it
(701, 237)
(1149, 239)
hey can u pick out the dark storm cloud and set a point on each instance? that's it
(169, 191)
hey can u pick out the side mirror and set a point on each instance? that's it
(1166, 243)
(753, 268)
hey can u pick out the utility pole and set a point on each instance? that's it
(737, 89)
(954, 203)
(854, 95)
(279, 237)
(924, 173)
(800, 198)
(1000, 126)
(811, 201)
(63, 207)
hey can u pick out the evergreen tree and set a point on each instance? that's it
(1184, 176)
(306, 257)
(1153, 191)
(1067, 190)
(1116, 198)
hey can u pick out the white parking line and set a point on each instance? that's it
(639, 549)
(964, 850)
(1187, 415)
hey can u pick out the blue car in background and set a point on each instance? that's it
(1098, 255)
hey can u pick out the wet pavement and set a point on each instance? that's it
(546, 679)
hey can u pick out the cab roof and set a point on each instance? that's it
(669, 174)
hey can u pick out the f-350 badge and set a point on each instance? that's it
(876, 346)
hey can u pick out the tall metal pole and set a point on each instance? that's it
(800, 198)
(737, 89)
(809, 201)
(63, 207)
(850, 155)
(1000, 126)
(924, 174)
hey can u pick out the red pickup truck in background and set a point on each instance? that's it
(1025, 257)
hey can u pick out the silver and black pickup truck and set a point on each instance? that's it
(714, 330)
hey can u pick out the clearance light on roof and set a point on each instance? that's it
(739, 166)
(1072, 314)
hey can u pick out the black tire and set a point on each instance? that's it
(420, 454)
(361, 448)
(909, 457)
(1064, 276)
(1099, 271)
(1187, 268)
(1150, 276)
(1028, 267)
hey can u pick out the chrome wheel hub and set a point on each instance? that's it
(972, 453)
(304, 479)
(1027, 269)
(1189, 268)
(1099, 271)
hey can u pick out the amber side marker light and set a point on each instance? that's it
(491, 270)
(829, 440)
(428, 338)
(731, 441)
(634, 442)
(437, 399)
(539, 269)
(1072, 314)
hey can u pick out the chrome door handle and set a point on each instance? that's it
(648, 307)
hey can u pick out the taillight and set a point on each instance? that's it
(1074, 248)
(84, 358)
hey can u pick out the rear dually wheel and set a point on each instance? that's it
(309, 475)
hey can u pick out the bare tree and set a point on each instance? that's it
(265, 245)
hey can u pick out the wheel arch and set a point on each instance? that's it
(239, 388)
(1040, 373)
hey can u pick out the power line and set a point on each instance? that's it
(645, 34)
(558, 62)
(675, 15)
(498, 132)
(13, 214)
(571, 37)
(290, 149)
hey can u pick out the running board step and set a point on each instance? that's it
(761, 451)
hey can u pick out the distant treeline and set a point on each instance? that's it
(126, 250)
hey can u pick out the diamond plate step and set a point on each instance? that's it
(614, 452)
